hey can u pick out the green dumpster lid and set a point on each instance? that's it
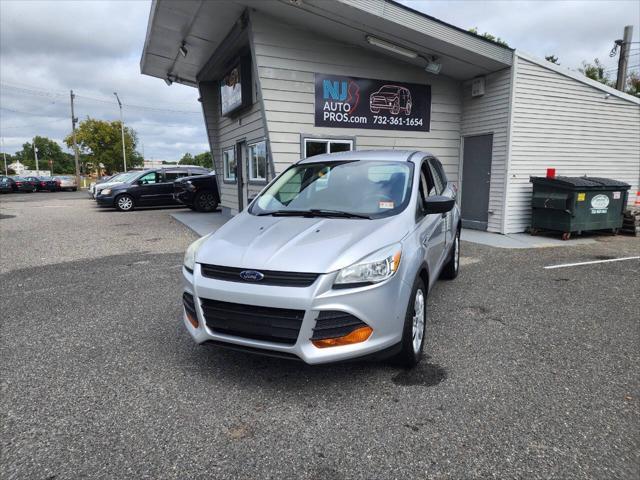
(581, 182)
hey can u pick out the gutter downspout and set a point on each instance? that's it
(507, 172)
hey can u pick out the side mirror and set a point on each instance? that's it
(139, 182)
(438, 204)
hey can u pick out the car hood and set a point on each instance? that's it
(298, 244)
(107, 184)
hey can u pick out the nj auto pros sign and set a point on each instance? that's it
(350, 102)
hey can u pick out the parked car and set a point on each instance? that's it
(146, 188)
(6, 184)
(21, 184)
(43, 183)
(100, 180)
(198, 193)
(332, 261)
(66, 182)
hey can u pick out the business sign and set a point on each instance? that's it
(349, 102)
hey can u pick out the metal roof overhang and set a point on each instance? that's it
(203, 26)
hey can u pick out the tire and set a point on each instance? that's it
(412, 348)
(74, 189)
(374, 110)
(395, 109)
(124, 202)
(452, 267)
(407, 109)
(205, 201)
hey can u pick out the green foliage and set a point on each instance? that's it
(633, 84)
(488, 36)
(50, 156)
(552, 59)
(101, 142)
(202, 159)
(596, 71)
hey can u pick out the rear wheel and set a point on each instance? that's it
(205, 201)
(450, 270)
(414, 326)
(124, 202)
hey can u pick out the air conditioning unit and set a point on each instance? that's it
(478, 86)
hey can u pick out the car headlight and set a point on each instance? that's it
(190, 254)
(374, 268)
(104, 191)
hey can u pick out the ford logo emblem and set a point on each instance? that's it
(251, 275)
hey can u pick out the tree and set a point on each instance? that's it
(488, 36)
(204, 160)
(101, 142)
(633, 84)
(50, 156)
(187, 159)
(552, 58)
(596, 71)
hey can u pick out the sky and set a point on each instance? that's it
(94, 48)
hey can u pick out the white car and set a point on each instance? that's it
(67, 182)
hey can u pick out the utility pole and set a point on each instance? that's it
(74, 120)
(35, 153)
(4, 154)
(124, 152)
(623, 61)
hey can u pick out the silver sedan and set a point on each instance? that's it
(332, 261)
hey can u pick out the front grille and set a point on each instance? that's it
(279, 325)
(189, 304)
(334, 324)
(271, 277)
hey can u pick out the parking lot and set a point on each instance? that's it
(531, 372)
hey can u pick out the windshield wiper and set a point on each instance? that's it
(314, 212)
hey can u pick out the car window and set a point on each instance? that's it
(438, 184)
(371, 188)
(438, 173)
(171, 175)
(149, 178)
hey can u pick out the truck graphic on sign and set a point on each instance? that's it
(391, 97)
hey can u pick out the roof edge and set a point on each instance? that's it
(576, 76)
(152, 14)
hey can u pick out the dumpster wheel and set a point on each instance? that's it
(566, 235)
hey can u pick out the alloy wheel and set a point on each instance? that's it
(125, 203)
(418, 320)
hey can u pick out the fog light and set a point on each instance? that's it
(357, 336)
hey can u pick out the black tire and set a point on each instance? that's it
(410, 355)
(74, 189)
(452, 267)
(205, 201)
(124, 202)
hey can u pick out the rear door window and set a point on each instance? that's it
(172, 175)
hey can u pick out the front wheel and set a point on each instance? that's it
(205, 201)
(414, 326)
(451, 268)
(125, 203)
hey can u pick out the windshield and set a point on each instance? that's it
(123, 177)
(388, 90)
(370, 189)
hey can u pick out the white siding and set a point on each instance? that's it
(569, 125)
(224, 132)
(490, 114)
(287, 59)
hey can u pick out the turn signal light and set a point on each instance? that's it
(192, 320)
(357, 336)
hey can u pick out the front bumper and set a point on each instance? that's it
(381, 306)
(105, 200)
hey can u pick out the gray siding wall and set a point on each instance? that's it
(287, 59)
(490, 114)
(563, 123)
(224, 132)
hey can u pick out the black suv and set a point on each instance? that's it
(145, 188)
(198, 193)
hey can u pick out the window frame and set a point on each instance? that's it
(253, 179)
(328, 139)
(225, 162)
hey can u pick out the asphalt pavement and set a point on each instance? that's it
(531, 373)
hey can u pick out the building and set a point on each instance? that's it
(284, 79)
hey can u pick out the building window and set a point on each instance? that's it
(318, 146)
(258, 161)
(229, 164)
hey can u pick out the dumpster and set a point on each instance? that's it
(577, 204)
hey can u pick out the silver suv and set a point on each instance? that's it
(332, 261)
